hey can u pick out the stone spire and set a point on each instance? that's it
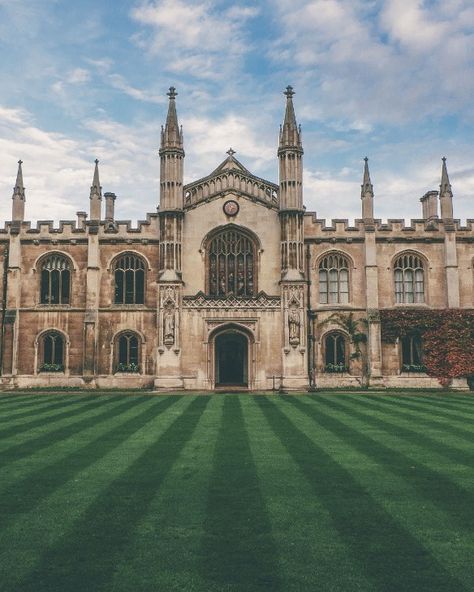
(445, 193)
(171, 159)
(171, 134)
(18, 206)
(367, 193)
(96, 194)
(290, 132)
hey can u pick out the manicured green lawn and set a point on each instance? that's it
(328, 492)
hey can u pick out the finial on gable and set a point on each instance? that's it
(289, 92)
(172, 94)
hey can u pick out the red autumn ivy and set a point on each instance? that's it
(448, 338)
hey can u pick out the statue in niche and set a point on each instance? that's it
(168, 326)
(294, 324)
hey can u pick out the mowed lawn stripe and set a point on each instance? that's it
(427, 406)
(164, 552)
(11, 405)
(440, 429)
(394, 436)
(21, 491)
(390, 556)
(66, 411)
(36, 411)
(308, 545)
(78, 479)
(50, 433)
(448, 402)
(426, 503)
(86, 557)
(238, 550)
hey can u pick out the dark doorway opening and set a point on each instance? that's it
(231, 359)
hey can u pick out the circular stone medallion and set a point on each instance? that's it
(231, 208)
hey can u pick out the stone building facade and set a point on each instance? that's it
(230, 284)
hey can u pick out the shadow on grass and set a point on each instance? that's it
(238, 551)
(86, 558)
(70, 411)
(414, 415)
(35, 409)
(12, 405)
(389, 555)
(427, 406)
(24, 495)
(432, 485)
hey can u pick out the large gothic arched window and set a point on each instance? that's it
(55, 280)
(129, 280)
(231, 261)
(52, 352)
(409, 279)
(334, 279)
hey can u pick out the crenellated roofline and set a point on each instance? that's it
(231, 175)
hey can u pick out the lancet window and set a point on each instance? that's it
(52, 352)
(55, 280)
(409, 279)
(334, 279)
(129, 273)
(231, 261)
(335, 352)
(128, 349)
(412, 354)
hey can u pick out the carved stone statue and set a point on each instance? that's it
(294, 324)
(168, 326)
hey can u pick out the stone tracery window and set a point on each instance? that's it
(409, 279)
(129, 272)
(55, 280)
(231, 264)
(127, 352)
(334, 279)
(335, 352)
(52, 352)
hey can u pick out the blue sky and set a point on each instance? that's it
(390, 79)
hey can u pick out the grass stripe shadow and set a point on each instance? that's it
(455, 501)
(47, 437)
(428, 407)
(71, 410)
(86, 558)
(35, 410)
(238, 551)
(24, 495)
(405, 414)
(390, 557)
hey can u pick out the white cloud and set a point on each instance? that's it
(120, 83)
(78, 76)
(196, 37)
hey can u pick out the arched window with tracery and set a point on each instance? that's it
(334, 279)
(335, 352)
(55, 280)
(52, 352)
(128, 352)
(412, 354)
(409, 279)
(129, 272)
(231, 262)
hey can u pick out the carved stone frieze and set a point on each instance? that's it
(256, 302)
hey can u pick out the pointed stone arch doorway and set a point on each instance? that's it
(231, 358)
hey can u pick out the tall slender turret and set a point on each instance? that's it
(171, 159)
(96, 194)
(367, 194)
(18, 205)
(171, 193)
(445, 194)
(290, 154)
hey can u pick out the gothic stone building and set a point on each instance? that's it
(230, 284)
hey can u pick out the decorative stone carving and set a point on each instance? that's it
(232, 302)
(373, 315)
(294, 326)
(169, 311)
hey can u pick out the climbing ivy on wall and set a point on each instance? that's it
(448, 338)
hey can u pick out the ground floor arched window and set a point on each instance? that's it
(128, 352)
(412, 354)
(52, 352)
(335, 352)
